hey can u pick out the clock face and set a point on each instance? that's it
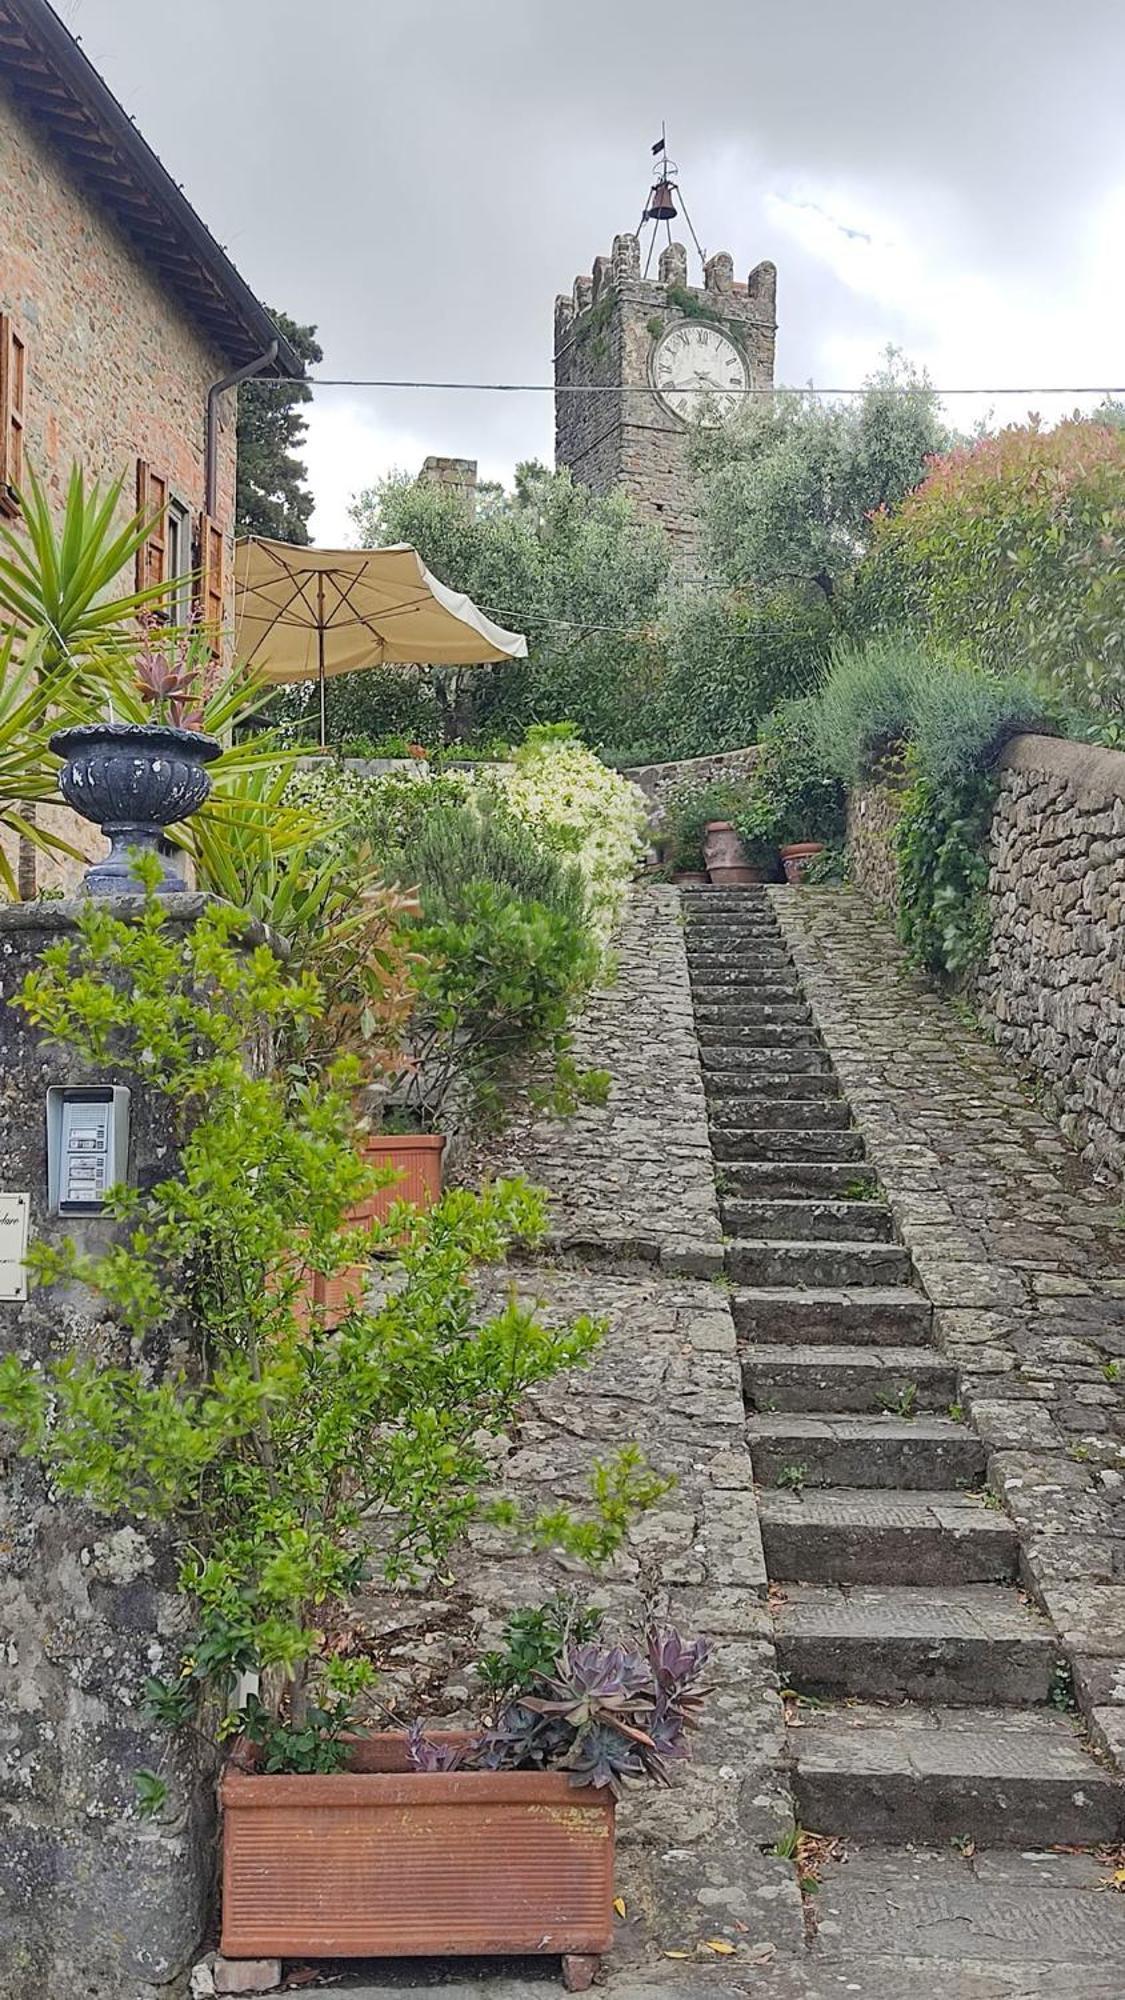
(695, 368)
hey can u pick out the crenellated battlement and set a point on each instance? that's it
(624, 433)
(755, 298)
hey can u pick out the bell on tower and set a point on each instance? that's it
(660, 205)
(645, 354)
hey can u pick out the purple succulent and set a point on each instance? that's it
(428, 1755)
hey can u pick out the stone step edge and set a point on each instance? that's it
(1038, 1573)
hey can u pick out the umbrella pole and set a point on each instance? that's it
(320, 656)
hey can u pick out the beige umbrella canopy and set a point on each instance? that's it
(307, 614)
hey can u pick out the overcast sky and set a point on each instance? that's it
(421, 179)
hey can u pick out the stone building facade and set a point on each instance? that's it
(607, 332)
(119, 315)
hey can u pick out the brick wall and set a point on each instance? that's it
(116, 369)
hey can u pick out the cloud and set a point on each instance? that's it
(422, 181)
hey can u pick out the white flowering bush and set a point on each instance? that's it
(575, 803)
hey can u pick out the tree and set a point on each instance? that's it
(788, 487)
(1014, 546)
(272, 497)
(576, 571)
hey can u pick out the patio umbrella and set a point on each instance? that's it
(309, 614)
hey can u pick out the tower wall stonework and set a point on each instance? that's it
(621, 434)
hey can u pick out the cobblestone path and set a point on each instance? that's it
(879, 1357)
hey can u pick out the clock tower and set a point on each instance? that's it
(638, 361)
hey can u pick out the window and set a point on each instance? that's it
(13, 402)
(180, 564)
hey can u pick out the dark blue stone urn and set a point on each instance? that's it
(133, 779)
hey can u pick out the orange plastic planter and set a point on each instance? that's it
(385, 1861)
(417, 1155)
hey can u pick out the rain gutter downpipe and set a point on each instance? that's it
(211, 452)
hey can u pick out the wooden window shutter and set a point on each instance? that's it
(152, 498)
(13, 405)
(212, 551)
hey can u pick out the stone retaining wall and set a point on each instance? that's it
(1053, 988)
(658, 782)
(873, 812)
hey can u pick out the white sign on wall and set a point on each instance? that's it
(14, 1212)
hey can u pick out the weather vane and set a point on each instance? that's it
(663, 195)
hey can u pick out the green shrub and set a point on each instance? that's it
(793, 794)
(895, 690)
(1015, 546)
(867, 703)
(271, 1469)
(963, 718)
(455, 846)
(508, 953)
(502, 978)
(941, 840)
(732, 657)
(689, 810)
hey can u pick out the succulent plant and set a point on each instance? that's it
(602, 1713)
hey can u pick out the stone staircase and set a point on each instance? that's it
(922, 1675)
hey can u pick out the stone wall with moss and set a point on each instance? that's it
(1054, 984)
(1053, 987)
(873, 814)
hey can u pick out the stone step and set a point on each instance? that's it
(808, 1114)
(739, 991)
(736, 988)
(920, 1923)
(756, 1035)
(722, 967)
(994, 1776)
(975, 1642)
(733, 1069)
(844, 1534)
(750, 1013)
(924, 1453)
(762, 1261)
(811, 1221)
(738, 951)
(889, 1316)
(783, 1374)
(750, 1143)
(786, 1180)
(772, 1082)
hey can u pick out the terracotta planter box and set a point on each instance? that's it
(691, 877)
(384, 1861)
(796, 857)
(417, 1155)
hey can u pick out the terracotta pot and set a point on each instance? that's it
(417, 1155)
(691, 878)
(384, 1861)
(724, 877)
(796, 857)
(722, 847)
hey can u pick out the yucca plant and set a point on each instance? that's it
(67, 623)
(57, 579)
(27, 766)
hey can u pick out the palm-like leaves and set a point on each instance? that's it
(27, 766)
(57, 581)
